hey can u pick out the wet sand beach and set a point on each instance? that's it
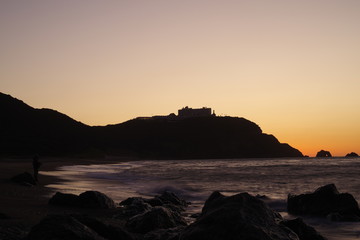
(24, 205)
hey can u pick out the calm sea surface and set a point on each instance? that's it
(195, 180)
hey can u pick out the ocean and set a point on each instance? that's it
(195, 180)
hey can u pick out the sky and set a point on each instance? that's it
(292, 67)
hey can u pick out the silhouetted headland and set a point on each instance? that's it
(193, 134)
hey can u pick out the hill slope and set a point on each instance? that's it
(203, 137)
(26, 130)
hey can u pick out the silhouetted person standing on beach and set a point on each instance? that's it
(36, 166)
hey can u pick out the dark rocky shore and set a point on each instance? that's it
(241, 216)
(94, 216)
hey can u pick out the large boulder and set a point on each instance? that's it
(325, 201)
(131, 200)
(65, 199)
(171, 198)
(12, 232)
(4, 216)
(137, 205)
(107, 230)
(133, 206)
(24, 178)
(241, 216)
(155, 218)
(304, 232)
(88, 199)
(323, 153)
(61, 227)
(165, 198)
(165, 234)
(77, 227)
(95, 199)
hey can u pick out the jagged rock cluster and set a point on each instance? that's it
(327, 202)
(88, 199)
(241, 216)
(94, 216)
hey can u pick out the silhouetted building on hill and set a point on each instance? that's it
(185, 112)
(194, 112)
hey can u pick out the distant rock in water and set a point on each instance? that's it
(352, 154)
(326, 201)
(24, 129)
(323, 153)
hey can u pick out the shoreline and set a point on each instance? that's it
(25, 206)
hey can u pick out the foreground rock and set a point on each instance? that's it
(165, 198)
(62, 227)
(171, 198)
(237, 217)
(24, 178)
(8, 232)
(138, 205)
(4, 216)
(156, 218)
(94, 199)
(76, 227)
(108, 230)
(88, 199)
(323, 153)
(65, 199)
(164, 234)
(135, 219)
(325, 201)
(303, 231)
(133, 206)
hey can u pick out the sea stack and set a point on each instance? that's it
(323, 153)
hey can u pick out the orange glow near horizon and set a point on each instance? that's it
(290, 66)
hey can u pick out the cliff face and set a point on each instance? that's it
(27, 130)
